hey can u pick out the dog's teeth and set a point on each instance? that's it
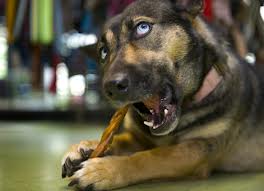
(151, 111)
(155, 127)
(166, 111)
(149, 124)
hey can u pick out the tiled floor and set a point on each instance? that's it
(30, 155)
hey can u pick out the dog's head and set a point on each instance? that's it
(152, 58)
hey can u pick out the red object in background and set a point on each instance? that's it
(208, 12)
(55, 61)
(117, 6)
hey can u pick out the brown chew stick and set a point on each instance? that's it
(109, 132)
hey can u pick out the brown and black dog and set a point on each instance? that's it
(195, 106)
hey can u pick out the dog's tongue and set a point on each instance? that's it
(153, 103)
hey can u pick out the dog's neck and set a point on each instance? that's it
(210, 83)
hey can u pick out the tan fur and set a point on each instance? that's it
(74, 151)
(132, 55)
(176, 43)
(110, 38)
(204, 31)
(100, 171)
(211, 130)
(208, 137)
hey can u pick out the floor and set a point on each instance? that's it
(30, 156)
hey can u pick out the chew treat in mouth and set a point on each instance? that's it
(159, 112)
(109, 132)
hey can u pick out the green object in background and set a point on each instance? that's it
(42, 21)
(45, 21)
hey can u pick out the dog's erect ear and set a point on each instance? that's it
(193, 7)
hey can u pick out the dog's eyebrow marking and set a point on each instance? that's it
(125, 26)
(132, 55)
(110, 38)
(112, 31)
(139, 19)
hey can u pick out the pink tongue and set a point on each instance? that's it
(153, 103)
(157, 118)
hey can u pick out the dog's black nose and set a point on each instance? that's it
(117, 87)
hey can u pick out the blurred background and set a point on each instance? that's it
(50, 82)
(48, 58)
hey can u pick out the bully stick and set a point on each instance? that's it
(109, 132)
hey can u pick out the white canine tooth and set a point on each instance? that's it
(155, 127)
(152, 111)
(149, 124)
(166, 111)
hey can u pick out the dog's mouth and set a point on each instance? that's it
(159, 112)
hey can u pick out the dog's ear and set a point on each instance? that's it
(215, 56)
(193, 7)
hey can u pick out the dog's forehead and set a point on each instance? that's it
(148, 8)
(113, 22)
(153, 9)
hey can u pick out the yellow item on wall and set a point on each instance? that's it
(10, 19)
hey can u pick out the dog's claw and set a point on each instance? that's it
(74, 160)
(70, 167)
(68, 163)
(76, 163)
(73, 182)
(76, 181)
(83, 153)
(86, 154)
(88, 188)
(64, 171)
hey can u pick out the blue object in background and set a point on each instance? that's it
(87, 25)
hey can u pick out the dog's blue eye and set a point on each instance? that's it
(143, 29)
(103, 53)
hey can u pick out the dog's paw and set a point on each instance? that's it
(71, 162)
(101, 174)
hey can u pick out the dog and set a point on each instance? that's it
(195, 107)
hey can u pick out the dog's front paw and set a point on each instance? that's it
(71, 162)
(101, 174)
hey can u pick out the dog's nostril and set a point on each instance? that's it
(109, 93)
(122, 85)
(117, 89)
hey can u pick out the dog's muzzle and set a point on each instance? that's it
(117, 87)
(158, 108)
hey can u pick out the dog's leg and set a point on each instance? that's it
(123, 144)
(182, 160)
(127, 143)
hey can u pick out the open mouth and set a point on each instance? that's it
(159, 112)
